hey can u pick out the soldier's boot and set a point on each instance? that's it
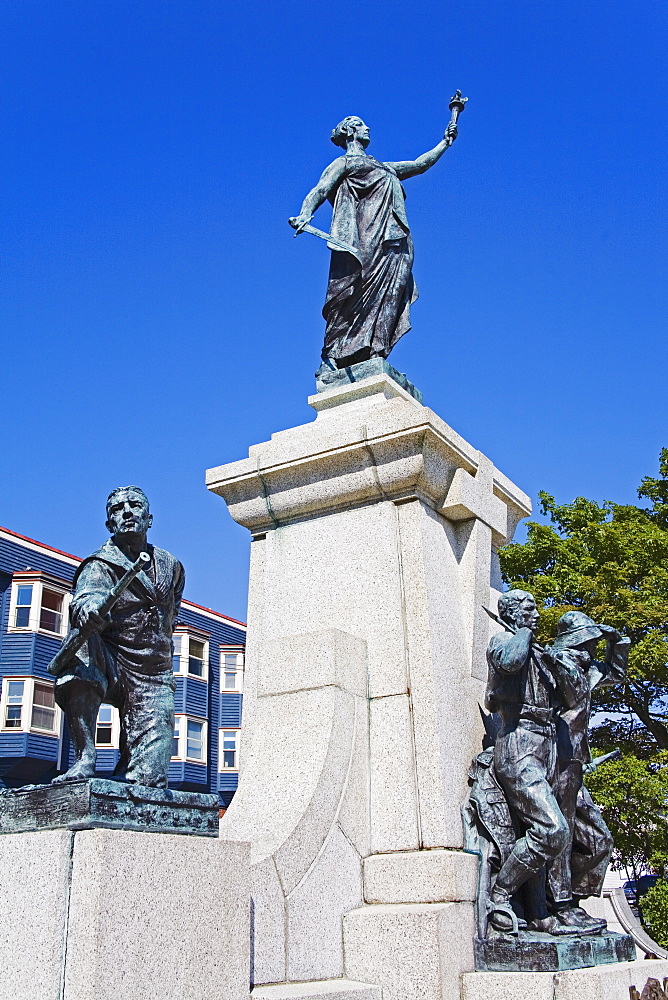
(517, 868)
(572, 915)
(81, 704)
(554, 925)
(500, 914)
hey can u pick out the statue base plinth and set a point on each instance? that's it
(602, 982)
(546, 953)
(92, 803)
(334, 378)
(117, 913)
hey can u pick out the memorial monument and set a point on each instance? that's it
(342, 869)
(375, 531)
(93, 869)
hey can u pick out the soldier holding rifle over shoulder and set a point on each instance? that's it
(579, 870)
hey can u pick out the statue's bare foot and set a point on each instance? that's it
(80, 769)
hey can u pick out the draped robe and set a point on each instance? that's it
(368, 301)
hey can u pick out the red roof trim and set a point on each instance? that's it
(219, 614)
(25, 538)
(69, 555)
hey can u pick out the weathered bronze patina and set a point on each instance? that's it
(543, 842)
(371, 284)
(126, 658)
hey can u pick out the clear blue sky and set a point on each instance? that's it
(158, 317)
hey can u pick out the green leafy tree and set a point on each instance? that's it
(632, 794)
(610, 561)
(654, 910)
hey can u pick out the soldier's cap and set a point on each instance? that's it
(574, 628)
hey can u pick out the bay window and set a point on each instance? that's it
(27, 704)
(189, 741)
(39, 603)
(191, 653)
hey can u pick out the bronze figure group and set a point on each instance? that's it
(544, 844)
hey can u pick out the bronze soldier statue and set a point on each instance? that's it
(579, 870)
(126, 658)
(528, 810)
(526, 690)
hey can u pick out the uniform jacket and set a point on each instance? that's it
(139, 635)
(572, 732)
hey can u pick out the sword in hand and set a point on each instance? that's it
(305, 227)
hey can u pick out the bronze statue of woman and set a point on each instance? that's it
(370, 291)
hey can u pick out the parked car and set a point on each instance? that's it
(635, 889)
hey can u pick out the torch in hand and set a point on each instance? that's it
(456, 105)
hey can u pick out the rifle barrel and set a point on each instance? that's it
(77, 636)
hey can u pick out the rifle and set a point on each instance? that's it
(597, 761)
(78, 636)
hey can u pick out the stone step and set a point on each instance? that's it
(602, 982)
(324, 989)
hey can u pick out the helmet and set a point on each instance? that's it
(574, 628)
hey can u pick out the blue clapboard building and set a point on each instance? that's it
(35, 581)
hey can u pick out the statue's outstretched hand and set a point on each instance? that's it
(610, 633)
(299, 221)
(88, 616)
(450, 133)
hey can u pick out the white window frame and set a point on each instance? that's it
(39, 582)
(239, 652)
(181, 726)
(221, 767)
(115, 729)
(181, 634)
(27, 705)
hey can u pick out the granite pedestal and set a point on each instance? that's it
(374, 530)
(92, 910)
(604, 982)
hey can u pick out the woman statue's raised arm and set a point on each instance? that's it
(409, 168)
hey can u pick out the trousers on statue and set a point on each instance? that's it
(579, 870)
(525, 763)
(145, 703)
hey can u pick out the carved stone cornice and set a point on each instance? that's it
(370, 442)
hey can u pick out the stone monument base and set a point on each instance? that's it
(545, 953)
(604, 982)
(331, 378)
(93, 803)
(120, 914)
(325, 989)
